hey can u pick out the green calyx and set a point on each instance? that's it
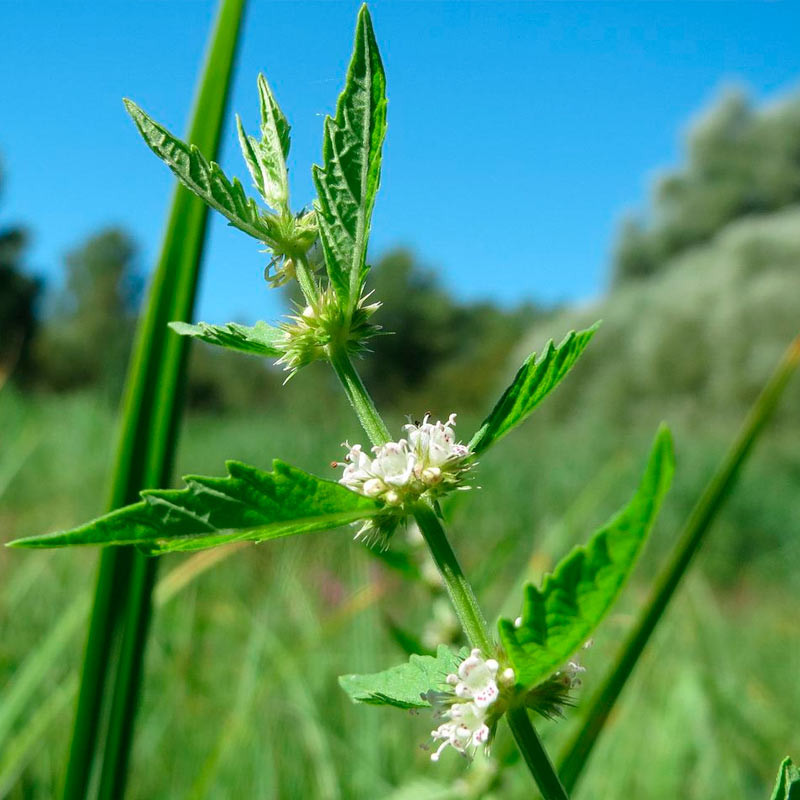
(293, 235)
(323, 325)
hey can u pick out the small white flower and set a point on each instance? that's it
(476, 679)
(393, 463)
(435, 445)
(429, 462)
(464, 730)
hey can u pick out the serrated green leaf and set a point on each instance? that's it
(536, 378)
(248, 505)
(349, 178)
(205, 178)
(266, 159)
(787, 785)
(560, 616)
(261, 339)
(403, 686)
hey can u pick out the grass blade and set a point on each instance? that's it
(145, 454)
(697, 526)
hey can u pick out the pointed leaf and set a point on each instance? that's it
(348, 180)
(403, 686)
(205, 178)
(787, 785)
(536, 378)
(266, 159)
(248, 505)
(560, 616)
(261, 339)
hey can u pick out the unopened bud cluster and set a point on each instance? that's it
(428, 462)
(309, 332)
(472, 707)
(291, 234)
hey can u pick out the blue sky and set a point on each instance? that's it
(518, 132)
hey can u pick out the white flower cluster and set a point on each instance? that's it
(428, 460)
(476, 690)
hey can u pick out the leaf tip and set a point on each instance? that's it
(182, 328)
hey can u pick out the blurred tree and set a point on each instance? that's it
(739, 161)
(87, 339)
(18, 296)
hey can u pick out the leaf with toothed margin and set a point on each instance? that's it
(205, 178)
(787, 784)
(536, 378)
(261, 339)
(248, 505)
(348, 179)
(403, 686)
(266, 158)
(558, 618)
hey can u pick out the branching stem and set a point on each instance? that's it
(458, 587)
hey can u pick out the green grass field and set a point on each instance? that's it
(240, 695)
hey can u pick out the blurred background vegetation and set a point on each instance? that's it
(703, 295)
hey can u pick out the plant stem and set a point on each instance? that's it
(695, 529)
(458, 587)
(535, 755)
(359, 397)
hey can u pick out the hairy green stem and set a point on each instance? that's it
(535, 755)
(697, 525)
(359, 397)
(458, 587)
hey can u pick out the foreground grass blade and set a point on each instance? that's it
(144, 457)
(699, 522)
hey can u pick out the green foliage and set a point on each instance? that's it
(266, 159)
(560, 616)
(405, 685)
(248, 505)
(695, 343)
(348, 179)
(787, 785)
(740, 161)
(536, 378)
(258, 340)
(206, 179)
(673, 570)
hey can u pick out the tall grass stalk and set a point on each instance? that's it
(151, 408)
(699, 522)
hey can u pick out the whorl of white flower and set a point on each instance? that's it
(469, 711)
(465, 729)
(476, 679)
(428, 461)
